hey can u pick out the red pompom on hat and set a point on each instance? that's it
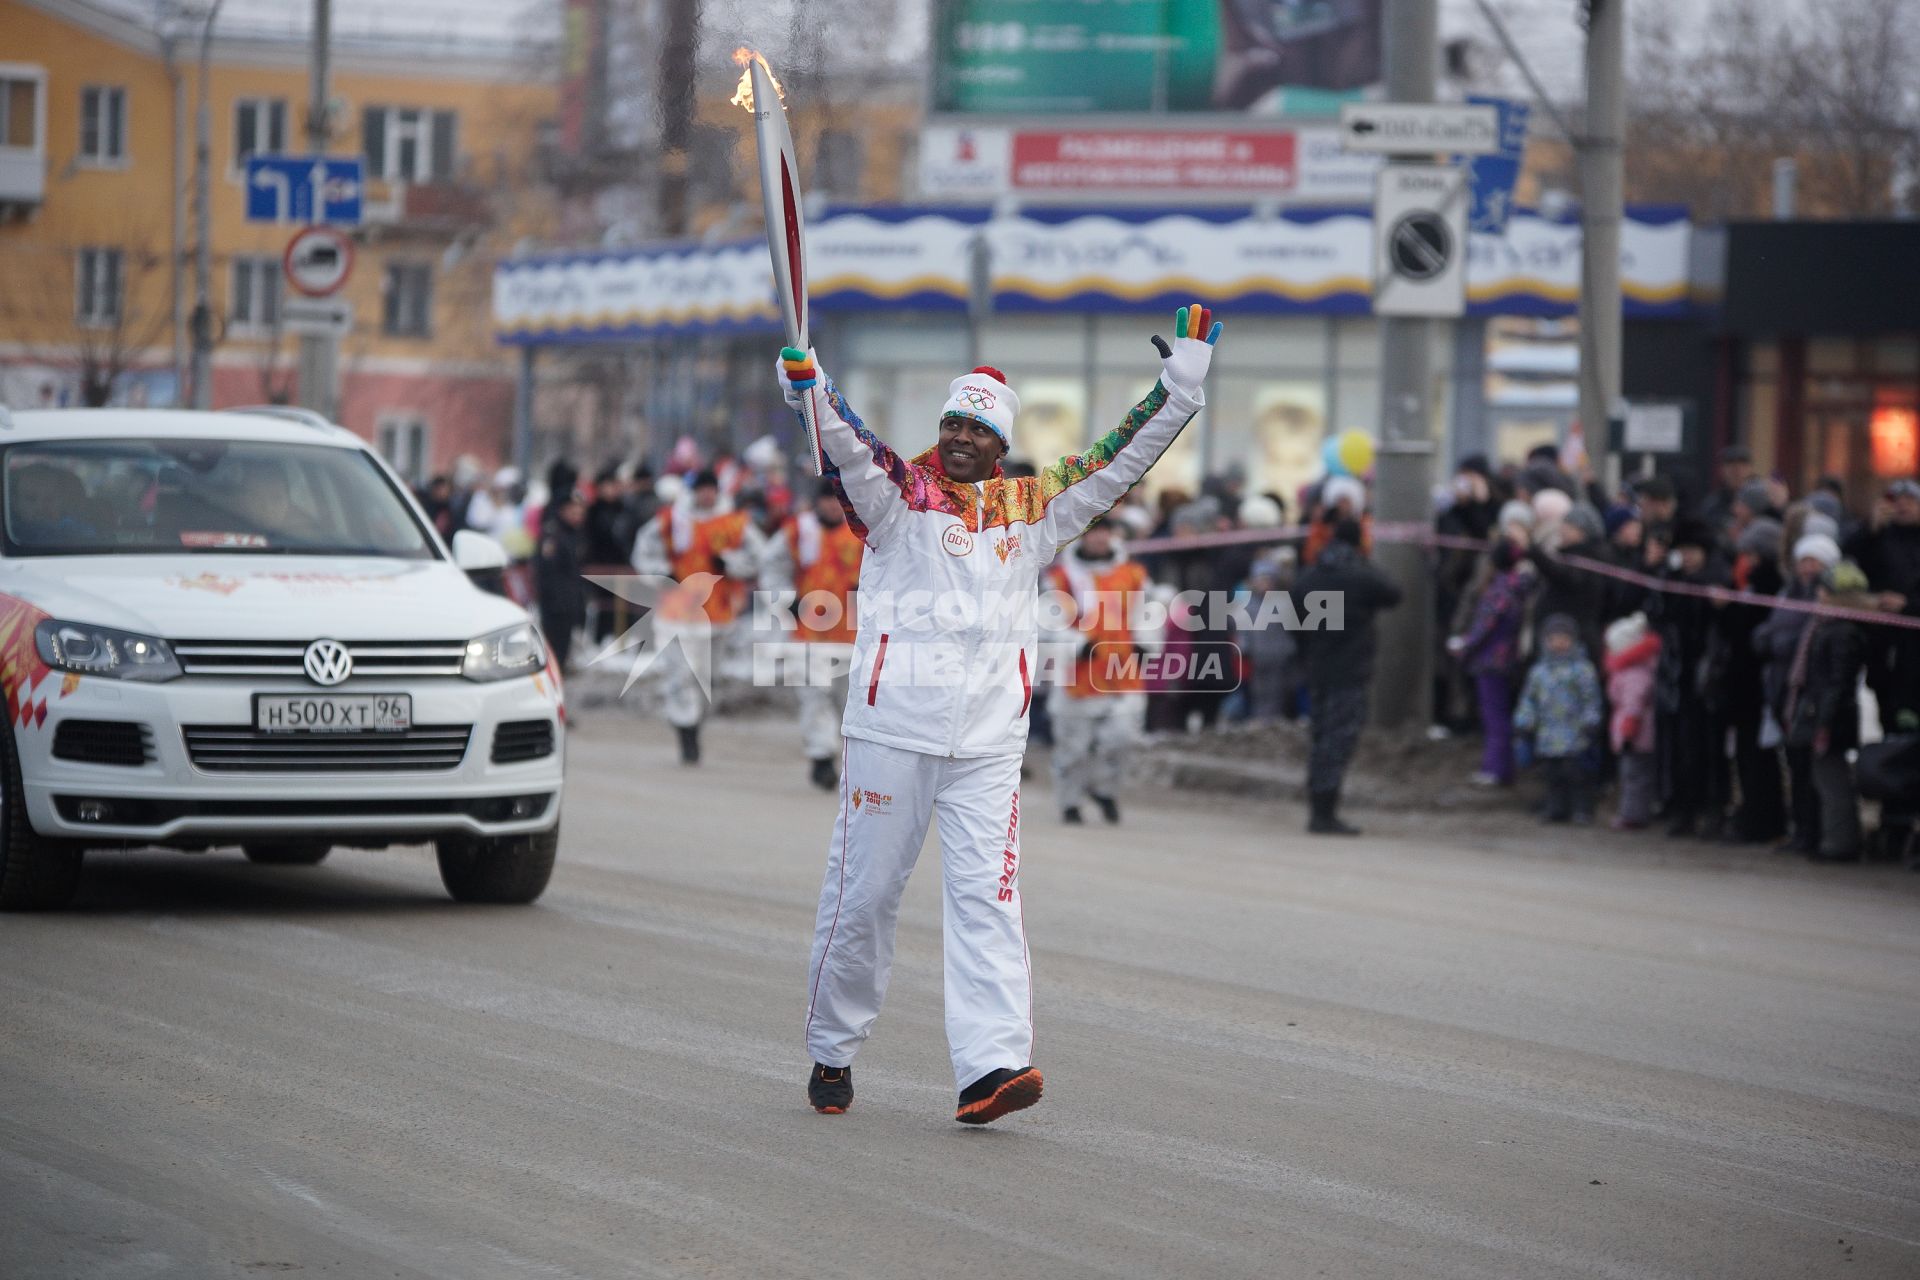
(992, 372)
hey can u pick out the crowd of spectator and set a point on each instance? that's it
(1579, 631)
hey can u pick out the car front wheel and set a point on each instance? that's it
(502, 869)
(36, 874)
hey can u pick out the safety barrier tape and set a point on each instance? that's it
(1422, 535)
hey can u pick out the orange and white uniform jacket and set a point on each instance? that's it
(692, 548)
(1105, 600)
(815, 557)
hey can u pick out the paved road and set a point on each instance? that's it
(1418, 1055)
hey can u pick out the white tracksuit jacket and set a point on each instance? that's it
(937, 714)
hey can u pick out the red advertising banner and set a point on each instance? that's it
(1166, 160)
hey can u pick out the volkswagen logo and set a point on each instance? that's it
(327, 662)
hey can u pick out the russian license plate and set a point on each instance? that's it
(332, 713)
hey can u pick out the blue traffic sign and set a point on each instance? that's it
(309, 189)
(1494, 176)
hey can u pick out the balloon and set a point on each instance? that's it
(1330, 455)
(1355, 449)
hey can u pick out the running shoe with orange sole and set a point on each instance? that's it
(999, 1093)
(830, 1089)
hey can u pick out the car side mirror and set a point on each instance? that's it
(477, 553)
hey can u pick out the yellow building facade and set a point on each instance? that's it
(97, 228)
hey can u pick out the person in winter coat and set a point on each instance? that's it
(562, 591)
(1890, 557)
(1568, 585)
(1339, 666)
(1761, 816)
(937, 715)
(1776, 641)
(1560, 707)
(1688, 697)
(1489, 650)
(1823, 710)
(1633, 653)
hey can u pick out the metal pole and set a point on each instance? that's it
(1602, 185)
(203, 250)
(319, 352)
(1403, 686)
(523, 413)
(177, 216)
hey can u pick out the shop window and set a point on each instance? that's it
(1893, 436)
(1896, 355)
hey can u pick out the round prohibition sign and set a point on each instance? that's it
(1420, 245)
(318, 260)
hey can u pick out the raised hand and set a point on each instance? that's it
(1194, 333)
(798, 374)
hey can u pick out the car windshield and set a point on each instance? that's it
(255, 497)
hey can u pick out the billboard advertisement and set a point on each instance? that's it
(1040, 57)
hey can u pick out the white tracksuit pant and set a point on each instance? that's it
(887, 797)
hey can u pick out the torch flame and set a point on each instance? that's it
(743, 92)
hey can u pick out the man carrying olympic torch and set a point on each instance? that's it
(936, 717)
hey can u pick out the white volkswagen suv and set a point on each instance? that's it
(238, 629)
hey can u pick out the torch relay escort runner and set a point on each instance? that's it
(936, 720)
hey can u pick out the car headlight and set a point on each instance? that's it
(511, 651)
(101, 651)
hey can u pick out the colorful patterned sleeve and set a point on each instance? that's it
(869, 477)
(1081, 486)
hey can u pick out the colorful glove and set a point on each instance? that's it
(1186, 362)
(799, 372)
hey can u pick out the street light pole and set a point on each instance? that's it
(319, 352)
(1602, 187)
(1404, 685)
(202, 322)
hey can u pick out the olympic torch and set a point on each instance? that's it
(761, 94)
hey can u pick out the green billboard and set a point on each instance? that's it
(1070, 57)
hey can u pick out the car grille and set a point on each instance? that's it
(238, 749)
(519, 740)
(286, 657)
(119, 742)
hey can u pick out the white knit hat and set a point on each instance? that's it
(984, 396)
(1626, 632)
(1817, 546)
(1347, 487)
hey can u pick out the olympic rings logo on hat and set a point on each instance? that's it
(978, 397)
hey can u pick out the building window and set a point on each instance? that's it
(97, 289)
(409, 144)
(409, 299)
(255, 300)
(402, 441)
(103, 125)
(259, 128)
(20, 112)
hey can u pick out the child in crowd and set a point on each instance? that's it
(1633, 654)
(1490, 652)
(1560, 707)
